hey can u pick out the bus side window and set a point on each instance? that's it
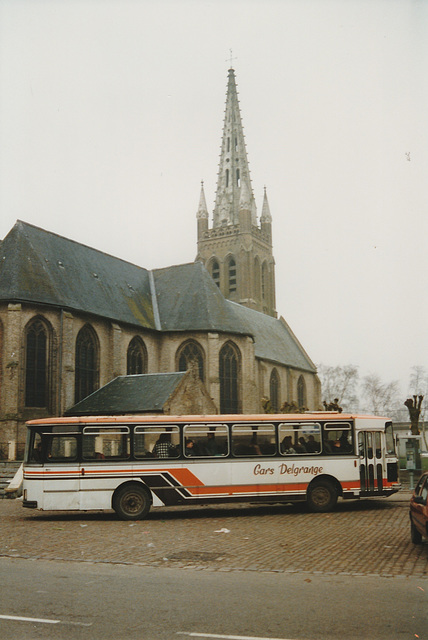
(61, 448)
(337, 438)
(36, 451)
(103, 443)
(253, 440)
(299, 438)
(205, 440)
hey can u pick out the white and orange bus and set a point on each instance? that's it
(131, 463)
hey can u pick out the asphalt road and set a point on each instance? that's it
(69, 601)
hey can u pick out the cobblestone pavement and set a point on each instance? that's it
(367, 537)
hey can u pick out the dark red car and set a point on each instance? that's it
(419, 510)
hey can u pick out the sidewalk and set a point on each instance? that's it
(366, 537)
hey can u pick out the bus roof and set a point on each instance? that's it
(333, 416)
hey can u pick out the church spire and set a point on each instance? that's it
(265, 217)
(237, 250)
(233, 168)
(202, 209)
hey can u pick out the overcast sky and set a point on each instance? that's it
(111, 114)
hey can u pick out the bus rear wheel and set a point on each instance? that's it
(131, 502)
(322, 496)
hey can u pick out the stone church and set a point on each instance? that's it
(73, 318)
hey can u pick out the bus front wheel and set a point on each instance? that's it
(322, 496)
(131, 502)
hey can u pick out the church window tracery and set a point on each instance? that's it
(229, 378)
(36, 364)
(274, 390)
(136, 357)
(301, 392)
(86, 367)
(190, 352)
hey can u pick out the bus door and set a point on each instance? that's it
(61, 474)
(371, 467)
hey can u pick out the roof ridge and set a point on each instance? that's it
(81, 244)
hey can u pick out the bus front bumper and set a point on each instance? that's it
(29, 504)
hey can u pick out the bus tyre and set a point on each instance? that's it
(415, 536)
(322, 496)
(131, 502)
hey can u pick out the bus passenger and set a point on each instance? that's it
(312, 445)
(37, 453)
(190, 448)
(164, 447)
(287, 445)
(211, 444)
(301, 447)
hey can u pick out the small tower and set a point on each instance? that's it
(237, 251)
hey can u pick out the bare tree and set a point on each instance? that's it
(419, 387)
(378, 397)
(339, 384)
(414, 407)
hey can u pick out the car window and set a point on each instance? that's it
(419, 485)
(424, 489)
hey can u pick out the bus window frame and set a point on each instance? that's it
(304, 429)
(206, 428)
(102, 430)
(253, 430)
(156, 429)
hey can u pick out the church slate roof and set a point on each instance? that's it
(129, 394)
(188, 297)
(40, 267)
(273, 339)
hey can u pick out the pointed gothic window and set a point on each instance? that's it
(301, 392)
(136, 357)
(232, 275)
(215, 272)
(227, 177)
(238, 178)
(274, 389)
(257, 279)
(228, 144)
(191, 353)
(229, 379)
(265, 282)
(86, 366)
(36, 364)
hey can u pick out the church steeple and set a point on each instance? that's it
(233, 168)
(237, 251)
